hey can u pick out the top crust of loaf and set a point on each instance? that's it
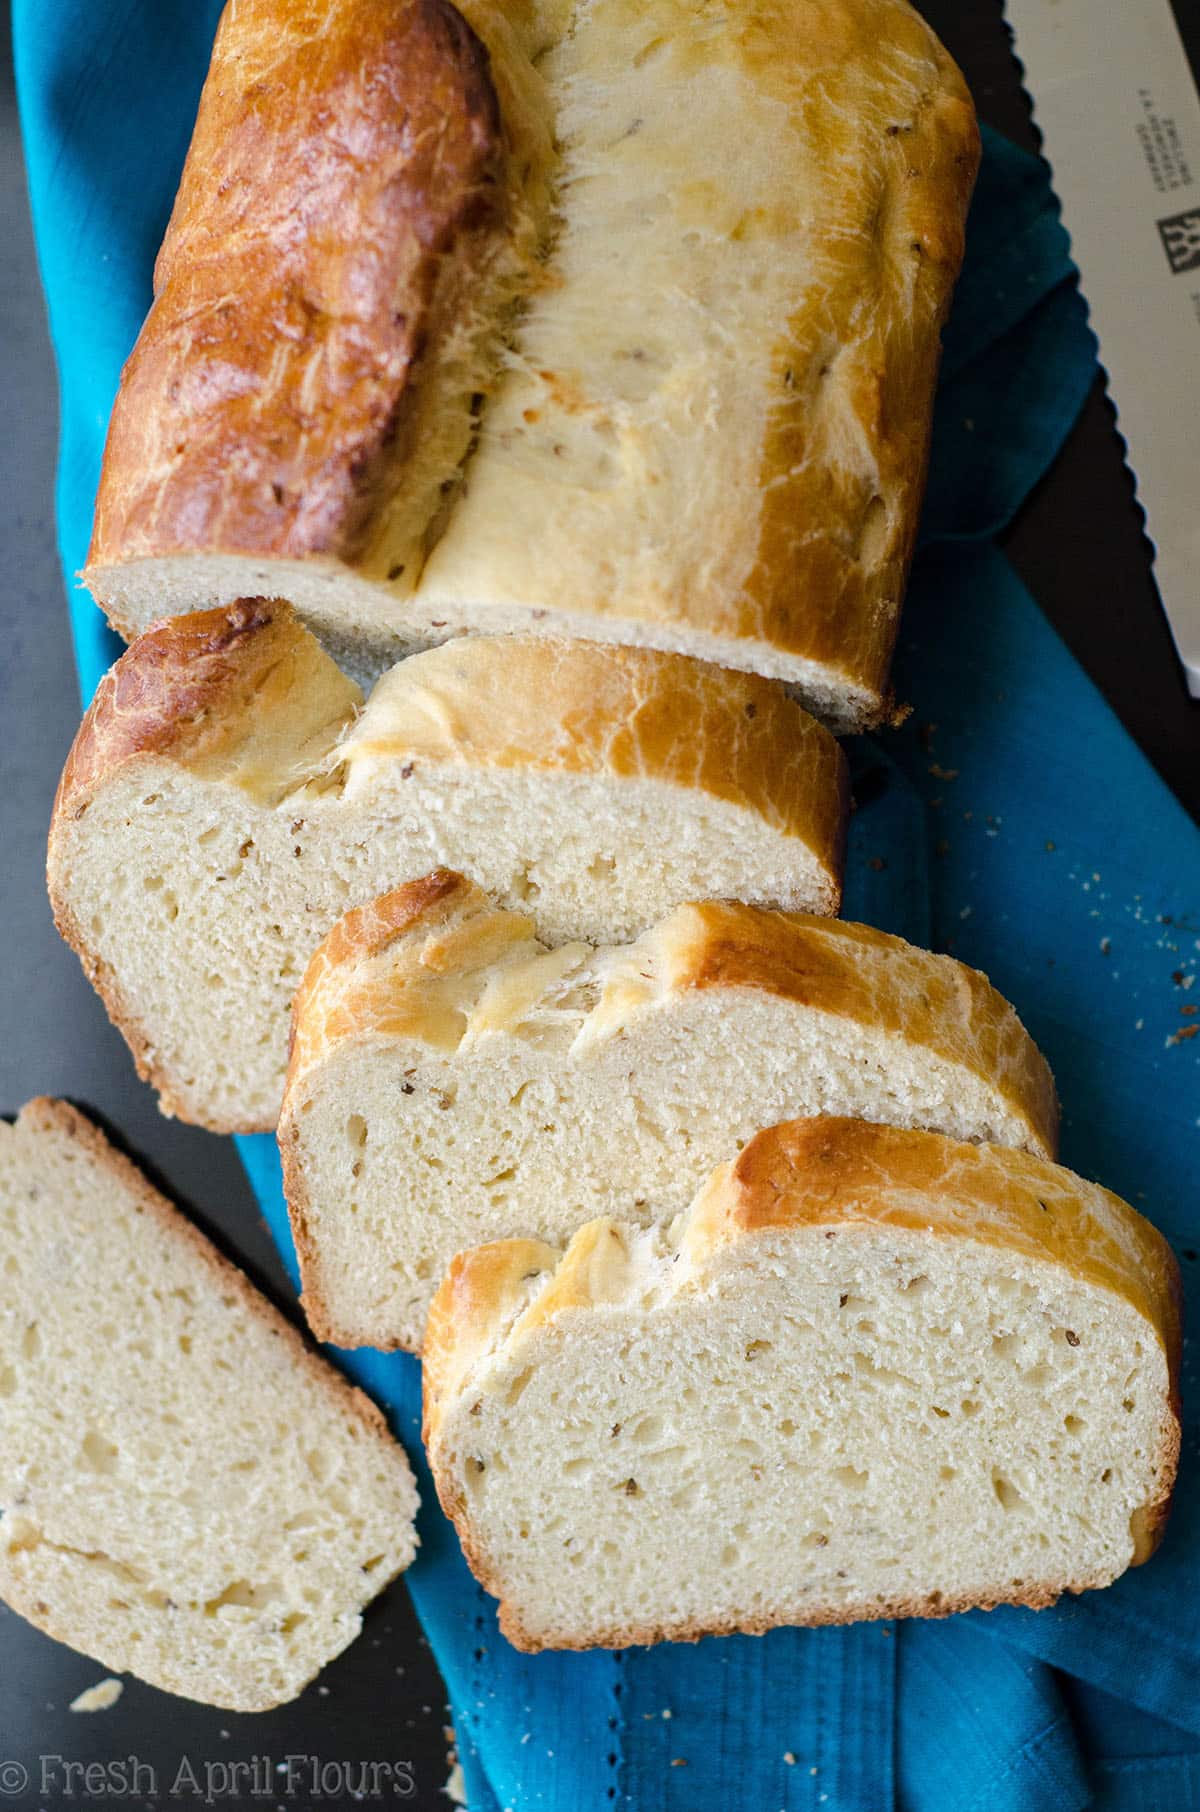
(242, 710)
(844, 1172)
(708, 430)
(792, 528)
(330, 1004)
(346, 160)
(842, 1175)
(443, 925)
(245, 689)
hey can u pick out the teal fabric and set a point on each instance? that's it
(1010, 821)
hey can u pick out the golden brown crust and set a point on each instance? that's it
(394, 971)
(845, 1173)
(840, 1175)
(453, 927)
(240, 684)
(837, 968)
(342, 181)
(367, 931)
(227, 688)
(170, 676)
(816, 595)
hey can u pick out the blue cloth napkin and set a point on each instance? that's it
(1012, 822)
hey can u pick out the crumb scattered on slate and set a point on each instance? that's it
(101, 1697)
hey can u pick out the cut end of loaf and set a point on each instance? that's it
(368, 625)
(881, 1407)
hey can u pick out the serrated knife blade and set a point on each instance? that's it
(1116, 102)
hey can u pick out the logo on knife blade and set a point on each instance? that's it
(1180, 234)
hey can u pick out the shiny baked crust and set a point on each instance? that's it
(414, 968)
(839, 1175)
(341, 192)
(246, 689)
(703, 426)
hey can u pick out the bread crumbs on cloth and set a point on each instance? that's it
(101, 1697)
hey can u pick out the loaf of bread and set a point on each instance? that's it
(463, 321)
(186, 1492)
(873, 1373)
(225, 801)
(454, 1081)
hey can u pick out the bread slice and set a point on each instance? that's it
(187, 1493)
(508, 348)
(453, 1080)
(872, 1373)
(226, 800)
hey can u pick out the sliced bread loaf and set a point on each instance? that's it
(226, 800)
(872, 1373)
(508, 347)
(186, 1492)
(454, 1081)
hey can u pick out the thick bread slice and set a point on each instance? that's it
(873, 1373)
(225, 801)
(453, 1081)
(187, 1493)
(505, 347)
